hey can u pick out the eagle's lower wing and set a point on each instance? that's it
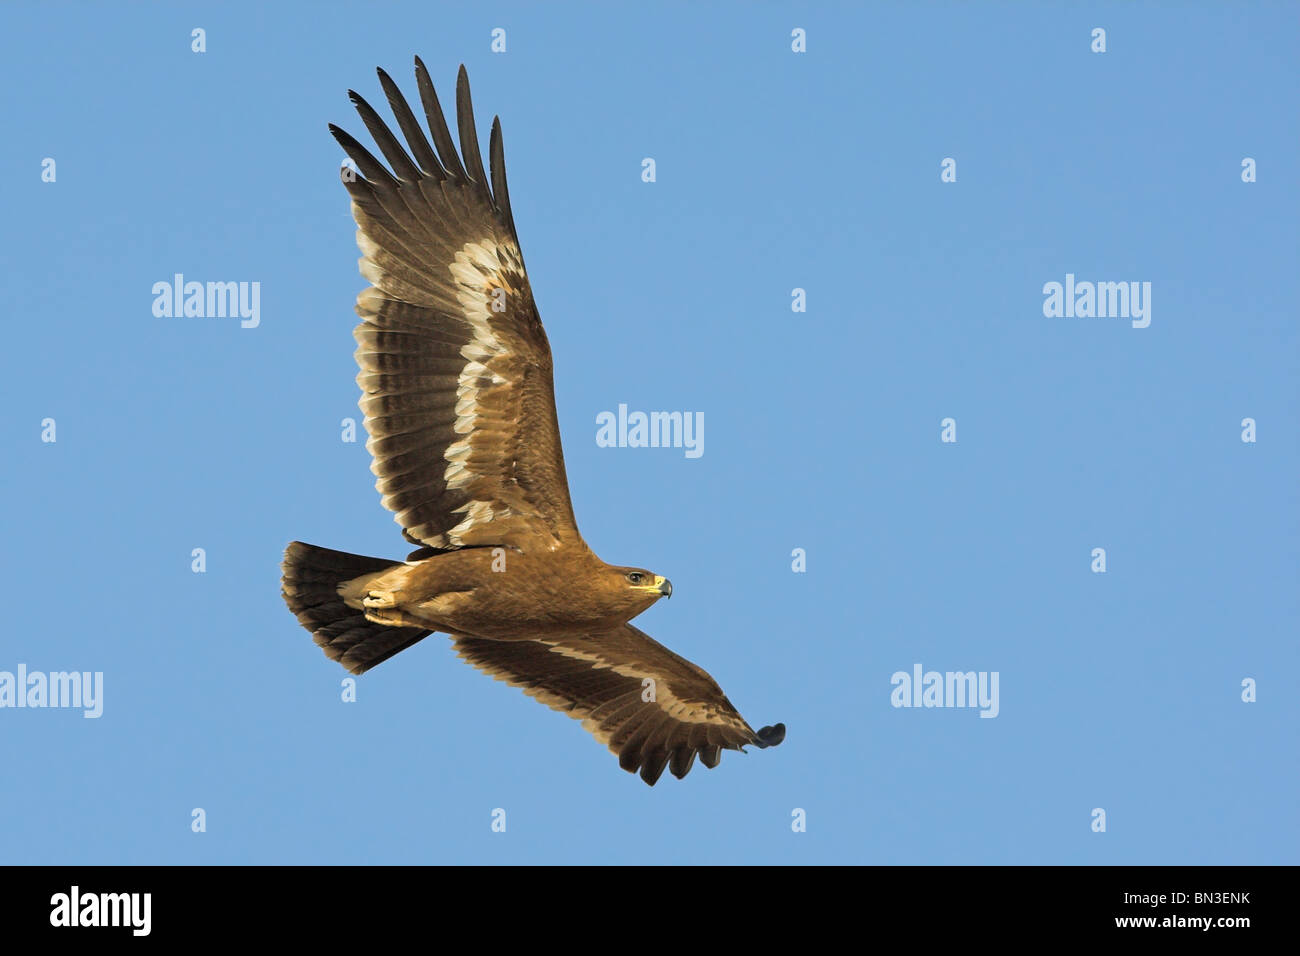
(648, 705)
(455, 367)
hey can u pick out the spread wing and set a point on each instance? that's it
(601, 679)
(455, 367)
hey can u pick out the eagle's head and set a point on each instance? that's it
(632, 590)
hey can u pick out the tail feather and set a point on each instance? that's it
(310, 582)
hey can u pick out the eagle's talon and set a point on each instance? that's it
(379, 599)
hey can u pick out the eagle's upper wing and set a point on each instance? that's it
(649, 706)
(455, 367)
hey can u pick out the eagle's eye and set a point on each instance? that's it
(635, 577)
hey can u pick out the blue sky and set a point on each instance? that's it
(775, 170)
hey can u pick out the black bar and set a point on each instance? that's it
(333, 904)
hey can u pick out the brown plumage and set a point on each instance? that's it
(460, 408)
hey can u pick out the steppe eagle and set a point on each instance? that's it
(460, 409)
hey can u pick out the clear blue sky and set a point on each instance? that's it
(775, 171)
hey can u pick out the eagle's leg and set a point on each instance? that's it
(375, 598)
(378, 590)
(433, 613)
(393, 618)
(407, 595)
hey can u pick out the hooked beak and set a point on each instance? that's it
(662, 587)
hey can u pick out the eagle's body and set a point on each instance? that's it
(530, 594)
(460, 406)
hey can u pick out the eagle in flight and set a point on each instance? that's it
(460, 408)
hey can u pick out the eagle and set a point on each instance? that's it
(459, 404)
